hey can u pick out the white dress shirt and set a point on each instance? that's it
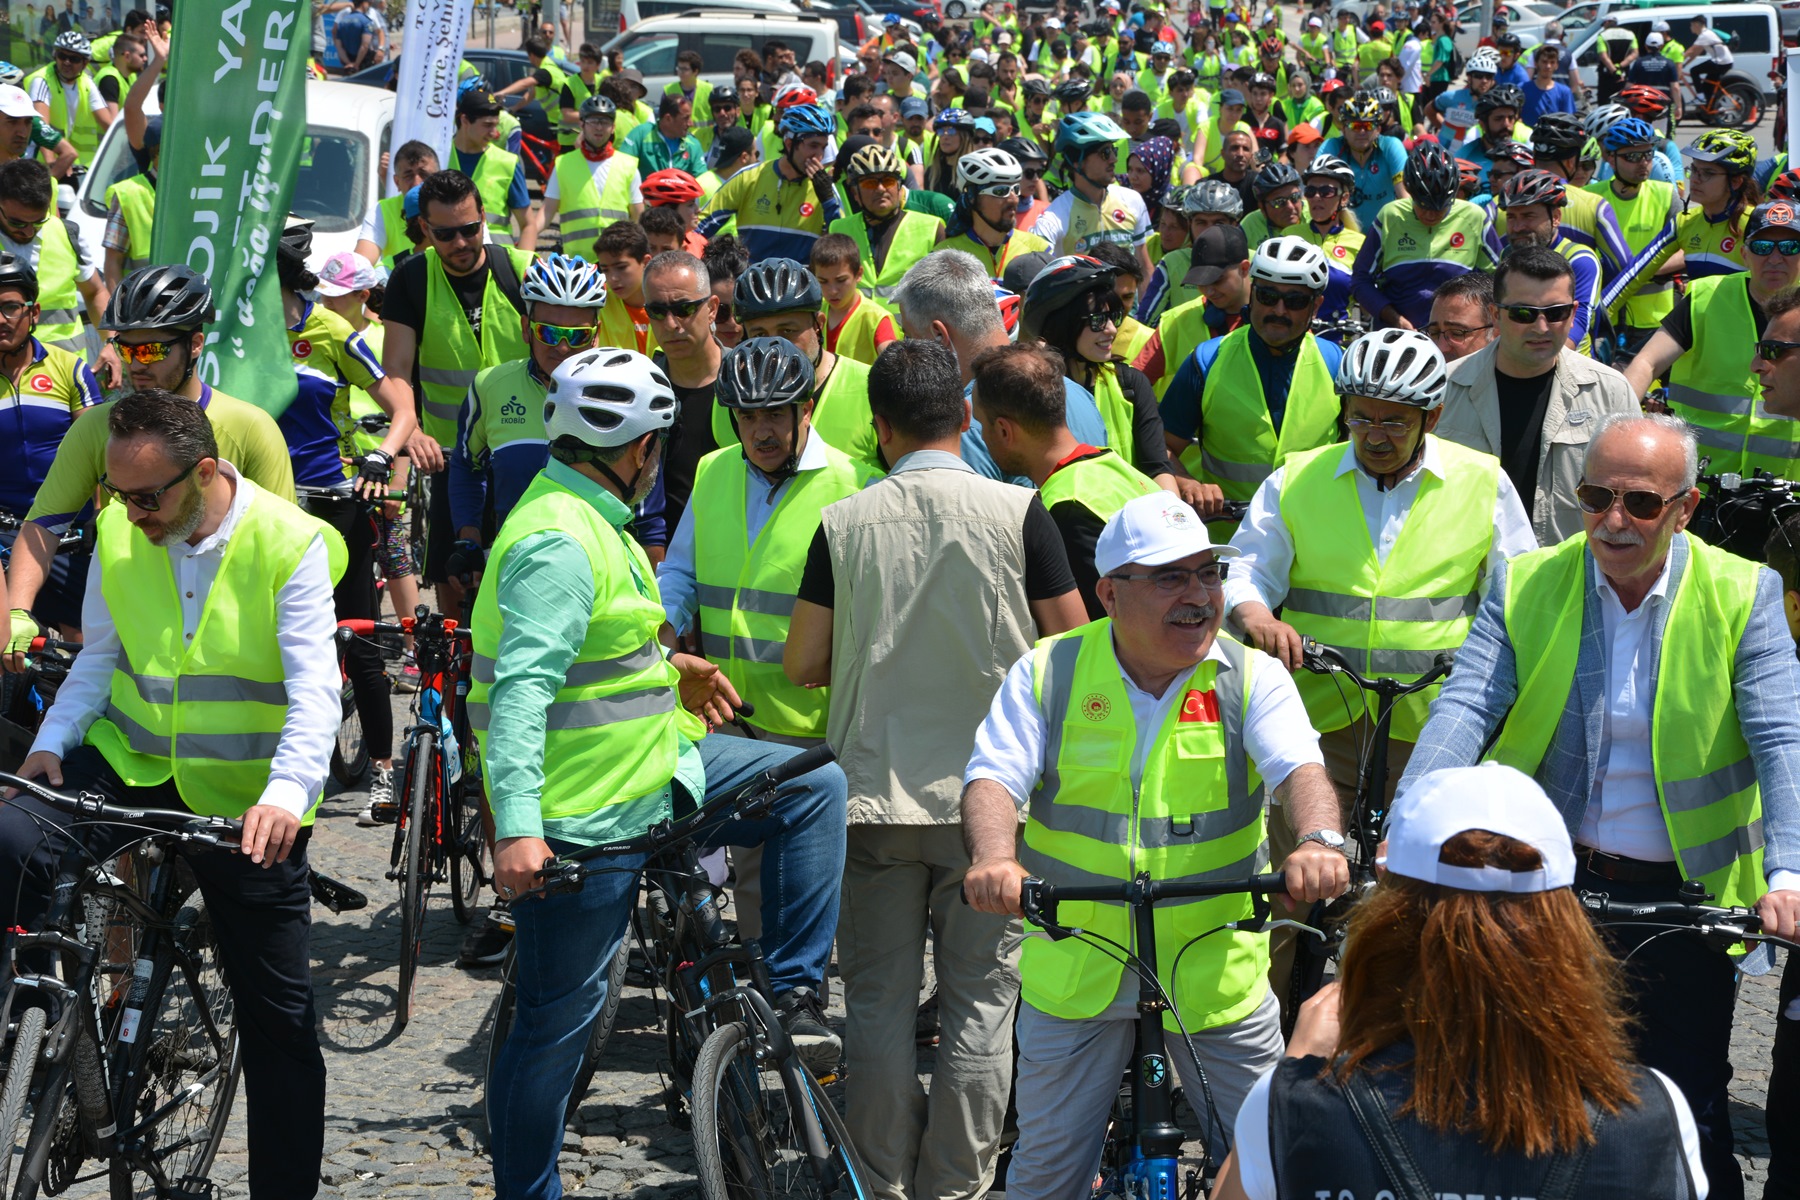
(1010, 745)
(306, 626)
(1266, 545)
(1623, 815)
(675, 577)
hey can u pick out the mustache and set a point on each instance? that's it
(1618, 537)
(1192, 612)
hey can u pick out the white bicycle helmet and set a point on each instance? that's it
(608, 397)
(563, 279)
(1330, 166)
(1600, 122)
(1485, 61)
(10, 74)
(1290, 260)
(74, 42)
(1400, 366)
(988, 167)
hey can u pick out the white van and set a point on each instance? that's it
(717, 35)
(632, 13)
(1756, 29)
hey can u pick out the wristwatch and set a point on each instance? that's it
(1331, 839)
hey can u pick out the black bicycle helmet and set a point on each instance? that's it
(1361, 106)
(764, 372)
(1029, 153)
(1036, 86)
(1504, 95)
(1278, 174)
(296, 244)
(17, 275)
(1431, 175)
(1055, 299)
(1558, 135)
(1533, 187)
(1072, 91)
(170, 296)
(776, 285)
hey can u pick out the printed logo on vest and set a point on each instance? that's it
(1096, 707)
(806, 209)
(1340, 251)
(1406, 241)
(41, 383)
(1200, 708)
(302, 348)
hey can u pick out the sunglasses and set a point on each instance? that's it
(1362, 127)
(1769, 349)
(1271, 297)
(662, 310)
(70, 58)
(1006, 191)
(16, 223)
(1525, 314)
(1284, 201)
(146, 501)
(1032, 176)
(1097, 321)
(1786, 247)
(575, 337)
(878, 183)
(144, 353)
(1322, 191)
(1635, 156)
(452, 233)
(1645, 506)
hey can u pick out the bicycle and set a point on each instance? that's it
(762, 1123)
(1738, 514)
(30, 694)
(1732, 101)
(125, 1047)
(439, 834)
(1689, 912)
(1140, 1158)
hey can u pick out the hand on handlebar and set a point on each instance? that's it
(992, 886)
(269, 834)
(24, 628)
(373, 475)
(517, 861)
(1271, 635)
(40, 764)
(1778, 911)
(1204, 498)
(426, 454)
(1314, 872)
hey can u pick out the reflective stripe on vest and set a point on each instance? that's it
(450, 359)
(1712, 388)
(1195, 814)
(493, 178)
(1705, 778)
(59, 295)
(582, 209)
(1387, 618)
(205, 711)
(915, 237)
(1239, 447)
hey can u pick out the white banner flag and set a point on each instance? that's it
(430, 54)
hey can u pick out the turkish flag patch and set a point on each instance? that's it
(1457, 239)
(1200, 708)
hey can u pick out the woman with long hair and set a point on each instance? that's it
(953, 127)
(1476, 1041)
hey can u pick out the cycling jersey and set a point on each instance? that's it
(1402, 260)
(1588, 220)
(1020, 241)
(777, 217)
(1374, 181)
(1708, 244)
(1648, 221)
(1072, 225)
(52, 391)
(329, 356)
(1457, 108)
(500, 442)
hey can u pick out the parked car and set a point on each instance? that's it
(633, 13)
(1755, 27)
(498, 67)
(718, 35)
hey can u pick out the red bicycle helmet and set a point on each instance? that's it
(1785, 186)
(1533, 187)
(1647, 103)
(670, 186)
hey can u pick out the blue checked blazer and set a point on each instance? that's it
(1765, 685)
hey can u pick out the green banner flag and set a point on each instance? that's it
(234, 121)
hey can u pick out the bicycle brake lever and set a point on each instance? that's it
(1278, 923)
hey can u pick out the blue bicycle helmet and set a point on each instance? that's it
(807, 120)
(1077, 133)
(953, 118)
(1630, 132)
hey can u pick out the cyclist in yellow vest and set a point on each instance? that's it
(1648, 211)
(1533, 202)
(593, 185)
(890, 238)
(131, 212)
(855, 326)
(584, 742)
(32, 231)
(115, 78)
(987, 211)
(1102, 739)
(735, 560)
(497, 174)
(1650, 681)
(545, 80)
(66, 96)
(209, 683)
(1706, 345)
(383, 237)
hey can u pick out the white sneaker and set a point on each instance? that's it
(380, 808)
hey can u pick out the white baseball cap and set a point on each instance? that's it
(1152, 531)
(15, 103)
(1490, 797)
(1053, 23)
(1005, 37)
(1654, 41)
(1314, 23)
(346, 272)
(978, 55)
(903, 60)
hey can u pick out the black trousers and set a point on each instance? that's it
(1782, 1108)
(262, 918)
(1682, 992)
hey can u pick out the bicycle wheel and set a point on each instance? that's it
(598, 1033)
(470, 861)
(749, 1141)
(181, 1072)
(503, 1020)
(21, 1065)
(424, 775)
(350, 756)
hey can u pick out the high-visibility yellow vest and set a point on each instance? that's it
(582, 209)
(111, 72)
(1705, 779)
(1712, 388)
(747, 593)
(1239, 447)
(450, 358)
(81, 127)
(568, 133)
(856, 336)
(916, 236)
(1102, 483)
(611, 731)
(1184, 330)
(393, 230)
(137, 205)
(1133, 335)
(1388, 618)
(59, 295)
(1641, 219)
(1022, 241)
(549, 96)
(1115, 410)
(206, 712)
(493, 178)
(619, 328)
(1194, 814)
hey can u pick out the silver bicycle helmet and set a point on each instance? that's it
(1400, 366)
(563, 279)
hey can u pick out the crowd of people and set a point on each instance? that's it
(1007, 415)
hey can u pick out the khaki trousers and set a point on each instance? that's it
(903, 883)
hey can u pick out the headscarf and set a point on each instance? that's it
(1158, 156)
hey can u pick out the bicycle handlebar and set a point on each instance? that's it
(187, 826)
(1702, 917)
(1325, 660)
(50, 645)
(1039, 898)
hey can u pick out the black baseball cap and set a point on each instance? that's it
(1216, 251)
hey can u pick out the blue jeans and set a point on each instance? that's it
(564, 944)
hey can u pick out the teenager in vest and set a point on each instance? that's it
(1213, 723)
(32, 232)
(584, 740)
(1675, 654)
(1533, 203)
(498, 175)
(258, 673)
(855, 326)
(919, 591)
(1393, 517)
(890, 238)
(1407, 1042)
(1648, 212)
(383, 238)
(1421, 239)
(1705, 345)
(1018, 399)
(66, 96)
(594, 185)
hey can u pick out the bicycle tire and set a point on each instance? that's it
(424, 773)
(187, 1055)
(598, 1033)
(470, 861)
(21, 1065)
(350, 754)
(747, 1139)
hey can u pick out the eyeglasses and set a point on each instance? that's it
(878, 183)
(12, 310)
(1323, 191)
(1525, 314)
(1635, 156)
(1769, 349)
(1645, 506)
(575, 337)
(1394, 426)
(451, 233)
(1096, 321)
(662, 310)
(1174, 580)
(1786, 247)
(144, 353)
(1704, 174)
(146, 501)
(1292, 301)
(1454, 333)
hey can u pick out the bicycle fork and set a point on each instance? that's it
(1150, 1170)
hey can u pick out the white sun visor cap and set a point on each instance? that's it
(15, 103)
(1153, 531)
(1490, 797)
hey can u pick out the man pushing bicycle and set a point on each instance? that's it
(1142, 743)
